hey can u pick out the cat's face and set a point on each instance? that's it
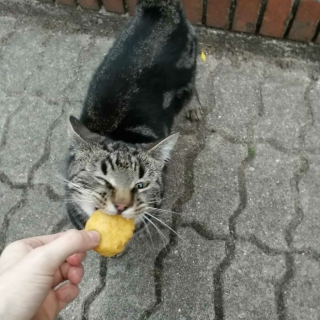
(113, 177)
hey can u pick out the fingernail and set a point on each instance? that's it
(95, 236)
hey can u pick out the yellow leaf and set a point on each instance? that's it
(203, 56)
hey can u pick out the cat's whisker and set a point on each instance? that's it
(164, 239)
(146, 226)
(76, 186)
(164, 211)
(160, 200)
(175, 232)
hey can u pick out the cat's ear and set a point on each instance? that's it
(80, 134)
(163, 149)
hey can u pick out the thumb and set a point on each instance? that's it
(53, 254)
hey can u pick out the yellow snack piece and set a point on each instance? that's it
(115, 232)
(203, 56)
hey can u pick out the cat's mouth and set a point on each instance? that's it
(129, 213)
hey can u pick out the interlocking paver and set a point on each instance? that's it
(216, 192)
(26, 137)
(249, 284)
(269, 206)
(284, 106)
(188, 269)
(237, 100)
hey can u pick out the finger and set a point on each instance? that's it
(76, 258)
(52, 255)
(15, 251)
(75, 274)
(66, 294)
(36, 242)
(68, 272)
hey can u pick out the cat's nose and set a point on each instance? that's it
(121, 207)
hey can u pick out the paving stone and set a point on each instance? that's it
(54, 168)
(26, 137)
(284, 106)
(188, 278)
(8, 199)
(90, 282)
(36, 218)
(249, 284)
(6, 27)
(87, 67)
(237, 98)
(302, 295)
(57, 69)
(313, 135)
(130, 287)
(216, 194)
(17, 65)
(269, 196)
(307, 233)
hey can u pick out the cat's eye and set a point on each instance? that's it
(105, 182)
(142, 185)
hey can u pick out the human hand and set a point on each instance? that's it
(31, 269)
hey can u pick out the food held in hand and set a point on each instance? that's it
(115, 232)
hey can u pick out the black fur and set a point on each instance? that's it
(128, 89)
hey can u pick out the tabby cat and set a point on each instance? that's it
(121, 144)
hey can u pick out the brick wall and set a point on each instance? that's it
(290, 19)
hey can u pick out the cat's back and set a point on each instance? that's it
(153, 55)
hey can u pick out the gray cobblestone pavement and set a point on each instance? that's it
(244, 183)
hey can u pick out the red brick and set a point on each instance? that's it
(246, 15)
(276, 17)
(67, 2)
(89, 4)
(132, 6)
(193, 9)
(114, 6)
(306, 20)
(218, 13)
